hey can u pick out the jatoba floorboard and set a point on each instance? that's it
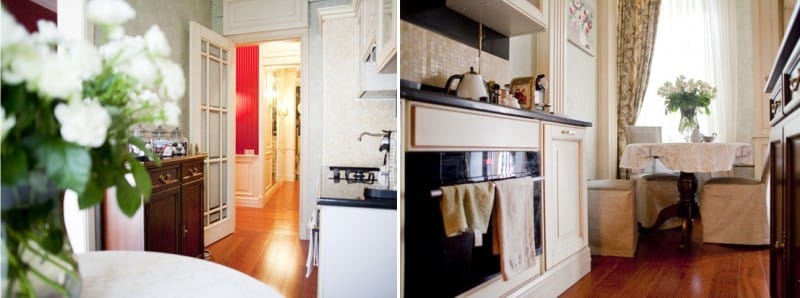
(266, 245)
(661, 269)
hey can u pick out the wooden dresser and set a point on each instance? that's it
(784, 161)
(172, 220)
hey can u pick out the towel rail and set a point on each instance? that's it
(436, 193)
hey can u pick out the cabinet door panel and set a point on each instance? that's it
(792, 160)
(162, 221)
(565, 193)
(192, 208)
(777, 217)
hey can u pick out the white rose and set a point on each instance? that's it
(47, 32)
(144, 98)
(115, 32)
(23, 62)
(11, 32)
(156, 42)
(171, 113)
(6, 124)
(84, 58)
(122, 50)
(141, 69)
(59, 78)
(110, 12)
(173, 85)
(84, 122)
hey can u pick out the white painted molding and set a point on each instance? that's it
(335, 12)
(249, 181)
(558, 42)
(249, 16)
(607, 90)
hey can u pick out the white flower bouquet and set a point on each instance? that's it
(689, 98)
(66, 110)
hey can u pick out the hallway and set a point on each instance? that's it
(266, 246)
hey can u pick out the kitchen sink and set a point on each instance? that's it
(379, 194)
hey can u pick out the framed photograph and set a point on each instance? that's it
(580, 25)
(522, 89)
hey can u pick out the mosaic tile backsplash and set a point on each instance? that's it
(430, 58)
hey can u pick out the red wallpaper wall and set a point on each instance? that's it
(27, 13)
(247, 99)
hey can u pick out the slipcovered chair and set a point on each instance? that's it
(612, 218)
(734, 210)
(656, 186)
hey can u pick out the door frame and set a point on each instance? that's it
(307, 198)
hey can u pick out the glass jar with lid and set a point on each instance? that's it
(176, 140)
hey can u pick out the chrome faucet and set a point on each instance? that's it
(369, 134)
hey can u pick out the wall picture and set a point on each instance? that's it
(580, 25)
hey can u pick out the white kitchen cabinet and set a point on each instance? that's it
(565, 212)
(509, 17)
(372, 84)
(366, 20)
(387, 36)
(357, 252)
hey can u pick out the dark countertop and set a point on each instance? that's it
(349, 194)
(369, 203)
(453, 101)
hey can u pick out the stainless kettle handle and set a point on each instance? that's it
(460, 77)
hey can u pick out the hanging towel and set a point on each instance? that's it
(467, 207)
(514, 225)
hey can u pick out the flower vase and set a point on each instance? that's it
(37, 259)
(696, 137)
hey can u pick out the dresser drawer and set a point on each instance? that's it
(191, 171)
(165, 177)
(791, 86)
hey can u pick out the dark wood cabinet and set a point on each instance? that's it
(784, 162)
(172, 220)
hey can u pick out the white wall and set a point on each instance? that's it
(746, 92)
(580, 98)
(344, 117)
(173, 19)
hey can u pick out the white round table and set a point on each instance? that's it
(153, 274)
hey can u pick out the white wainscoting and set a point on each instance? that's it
(250, 16)
(249, 181)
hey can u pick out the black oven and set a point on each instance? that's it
(440, 266)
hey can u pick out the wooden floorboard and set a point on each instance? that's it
(661, 269)
(266, 245)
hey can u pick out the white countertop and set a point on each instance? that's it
(153, 274)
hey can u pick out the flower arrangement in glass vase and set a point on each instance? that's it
(689, 98)
(66, 110)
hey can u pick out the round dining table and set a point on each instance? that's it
(154, 274)
(688, 159)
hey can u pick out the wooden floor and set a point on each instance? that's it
(661, 269)
(266, 246)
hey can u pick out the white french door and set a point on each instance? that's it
(212, 124)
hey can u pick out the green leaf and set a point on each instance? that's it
(143, 183)
(93, 195)
(14, 166)
(128, 198)
(67, 164)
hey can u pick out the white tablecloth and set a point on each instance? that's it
(688, 157)
(152, 274)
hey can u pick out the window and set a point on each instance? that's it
(696, 39)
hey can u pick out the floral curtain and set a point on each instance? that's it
(636, 31)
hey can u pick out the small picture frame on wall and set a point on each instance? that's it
(580, 25)
(522, 89)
